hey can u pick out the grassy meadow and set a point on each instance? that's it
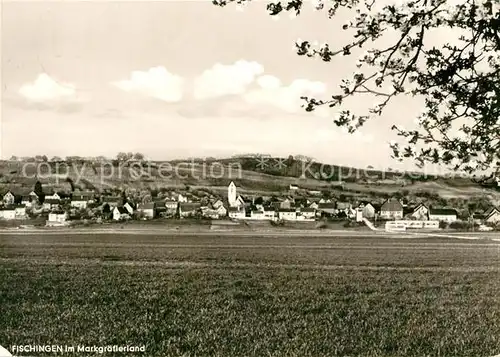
(251, 296)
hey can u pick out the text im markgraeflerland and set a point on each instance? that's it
(60, 349)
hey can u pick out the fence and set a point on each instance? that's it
(404, 225)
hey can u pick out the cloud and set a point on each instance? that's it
(47, 93)
(287, 98)
(156, 82)
(243, 88)
(222, 80)
(46, 89)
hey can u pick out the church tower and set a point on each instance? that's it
(231, 194)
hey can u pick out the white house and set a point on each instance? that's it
(442, 215)
(237, 212)
(79, 201)
(367, 210)
(314, 205)
(27, 201)
(181, 198)
(53, 196)
(231, 194)
(287, 214)
(269, 213)
(129, 208)
(209, 213)
(188, 209)
(57, 219)
(286, 203)
(306, 214)
(420, 212)
(221, 211)
(146, 209)
(120, 213)
(60, 217)
(391, 209)
(20, 211)
(217, 204)
(171, 205)
(9, 198)
(257, 215)
(293, 187)
(51, 203)
(8, 213)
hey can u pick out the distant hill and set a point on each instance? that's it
(253, 174)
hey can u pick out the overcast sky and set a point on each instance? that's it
(174, 79)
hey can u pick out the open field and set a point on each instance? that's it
(222, 295)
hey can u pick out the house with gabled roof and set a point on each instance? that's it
(300, 202)
(327, 208)
(269, 212)
(120, 214)
(58, 218)
(188, 209)
(257, 214)
(171, 205)
(314, 205)
(8, 213)
(181, 198)
(391, 209)
(20, 211)
(221, 211)
(9, 198)
(79, 201)
(443, 214)
(367, 209)
(51, 203)
(286, 204)
(492, 216)
(306, 214)
(130, 207)
(241, 202)
(49, 194)
(208, 212)
(237, 212)
(287, 214)
(420, 212)
(147, 210)
(27, 200)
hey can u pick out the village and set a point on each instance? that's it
(65, 209)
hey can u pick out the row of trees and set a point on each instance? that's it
(121, 157)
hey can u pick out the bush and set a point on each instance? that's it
(459, 225)
(320, 225)
(443, 225)
(278, 223)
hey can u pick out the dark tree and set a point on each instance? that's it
(38, 189)
(106, 209)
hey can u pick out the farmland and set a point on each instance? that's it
(252, 296)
